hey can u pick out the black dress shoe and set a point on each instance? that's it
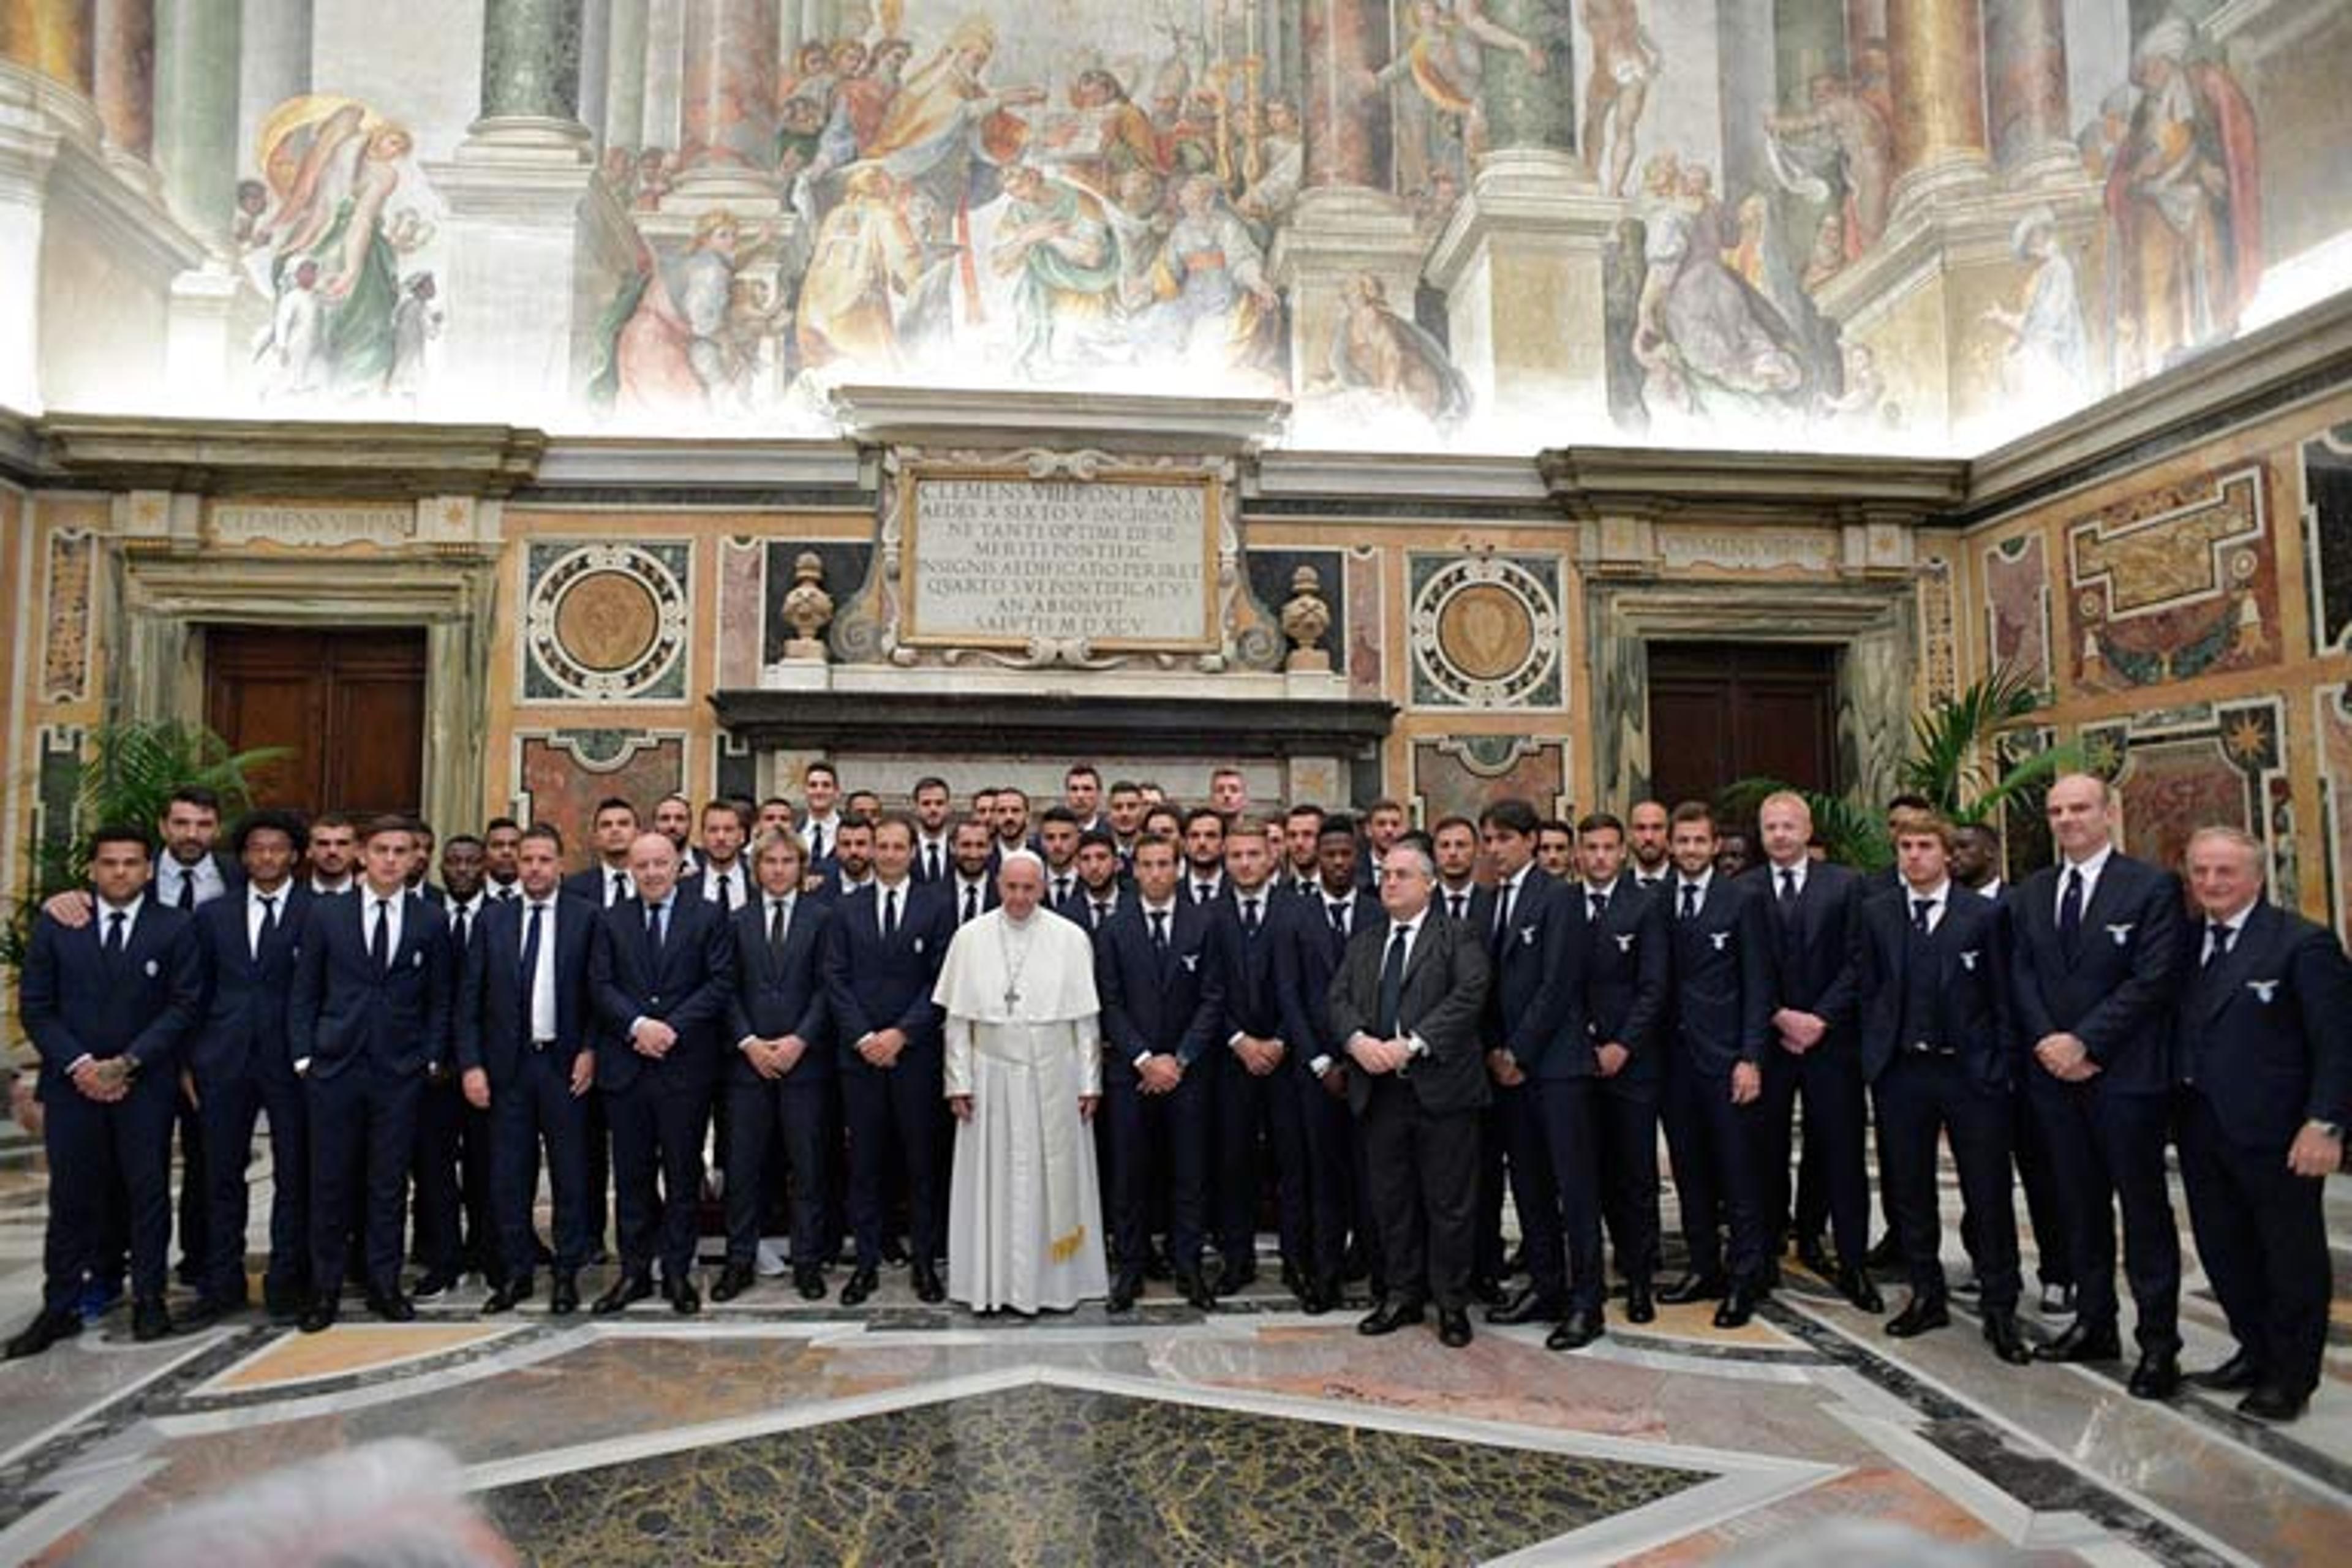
(1530, 1306)
(1857, 1287)
(1885, 1252)
(2273, 1404)
(201, 1313)
(2236, 1375)
(1739, 1306)
(150, 1320)
(1693, 1287)
(564, 1299)
(1639, 1307)
(1195, 1289)
(894, 1251)
(1919, 1315)
(2001, 1333)
(392, 1306)
(683, 1297)
(1235, 1277)
(1453, 1327)
(1156, 1264)
(285, 1303)
(321, 1314)
(2081, 1342)
(628, 1290)
(809, 1280)
(733, 1280)
(1312, 1301)
(2157, 1375)
(928, 1289)
(861, 1285)
(1577, 1329)
(1123, 1292)
(435, 1284)
(516, 1288)
(598, 1254)
(44, 1332)
(1815, 1257)
(1486, 1290)
(1388, 1317)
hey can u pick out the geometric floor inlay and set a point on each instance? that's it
(1047, 1474)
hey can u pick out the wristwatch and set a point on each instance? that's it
(2329, 1129)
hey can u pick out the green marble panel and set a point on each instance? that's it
(1057, 1475)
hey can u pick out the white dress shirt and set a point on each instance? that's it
(2090, 870)
(204, 874)
(1939, 900)
(542, 973)
(279, 895)
(369, 901)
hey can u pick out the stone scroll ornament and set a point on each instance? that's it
(876, 624)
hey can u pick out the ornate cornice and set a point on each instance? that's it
(253, 457)
(1732, 487)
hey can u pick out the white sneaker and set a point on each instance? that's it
(771, 1260)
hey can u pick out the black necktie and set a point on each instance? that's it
(2069, 910)
(931, 862)
(2220, 949)
(460, 923)
(1502, 911)
(526, 975)
(379, 945)
(1102, 912)
(1454, 902)
(1249, 916)
(1339, 913)
(620, 887)
(654, 928)
(114, 937)
(1202, 892)
(1600, 906)
(1393, 982)
(970, 903)
(1159, 931)
(1690, 900)
(817, 841)
(268, 923)
(1061, 891)
(726, 892)
(1920, 910)
(1787, 908)
(187, 888)
(776, 927)
(890, 914)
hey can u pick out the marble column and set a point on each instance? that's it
(596, 68)
(125, 62)
(1526, 105)
(1346, 123)
(198, 49)
(624, 75)
(727, 104)
(51, 36)
(531, 68)
(2025, 88)
(274, 65)
(1939, 122)
(664, 61)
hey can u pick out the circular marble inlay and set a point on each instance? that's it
(606, 620)
(1484, 631)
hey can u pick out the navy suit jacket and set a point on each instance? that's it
(1162, 1002)
(494, 994)
(870, 984)
(951, 891)
(246, 994)
(1970, 946)
(779, 994)
(1723, 975)
(686, 987)
(2116, 993)
(1535, 999)
(2266, 1032)
(1822, 981)
(74, 1001)
(1628, 971)
(1245, 963)
(346, 1008)
(1307, 953)
(591, 883)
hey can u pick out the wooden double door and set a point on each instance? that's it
(349, 705)
(1720, 712)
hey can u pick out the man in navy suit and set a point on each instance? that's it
(1721, 938)
(1100, 888)
(369, 1020)
(525, 1050)
(1816, 911)
(1163, 994)
(881, 962)
(2265, 1072)
(1626, 969)
(969, 886)
(1937, 1050)
(606, 883)
(1256, 1092)
(452, 1201)
(108, 1008)
(780, 1072)
(1308, 945)
(240, 1066)
(2098, 962)
(661, 971)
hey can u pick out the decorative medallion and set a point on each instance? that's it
(1487, 631)
(605, 622)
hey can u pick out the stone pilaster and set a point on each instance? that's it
(2025, 79)
(197, 57)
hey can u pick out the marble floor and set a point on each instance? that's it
(768, 1430)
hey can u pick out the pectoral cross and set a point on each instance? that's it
(1011, 997)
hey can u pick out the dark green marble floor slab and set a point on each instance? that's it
(1047, 1475)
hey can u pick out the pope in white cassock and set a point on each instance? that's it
(1023, 1076)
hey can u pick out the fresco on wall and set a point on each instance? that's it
(1253, 198)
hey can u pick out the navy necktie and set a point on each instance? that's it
(776, 927)
(1690, 900)
(379, 945)
(2069, 910)
(268, 923)
(1392, 998)
(726, 892)
(1454, 902)
(1159, 931)
(114, 937)
(971, 903)
(187, 888)
(620, 887)
(817, 841)
(528, 971)
(890, 914)
(1600, 905)
(1920, 910)
(1338, 912)
(2220, 949)
(654, 929)
(461, 925)
(1249, 915)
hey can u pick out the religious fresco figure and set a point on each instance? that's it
(1710, 343)
(2183, 204)
(1625, 60)
(1444, 61)
(1053, 239)
(1214, 309)
(1392, 362)
(668, 340)
(1842, 138)
(866, 257)
(2046, 352)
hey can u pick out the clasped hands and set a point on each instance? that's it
(2064, 1057)
(1379, 1056)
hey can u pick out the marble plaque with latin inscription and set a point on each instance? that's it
(1117, 562)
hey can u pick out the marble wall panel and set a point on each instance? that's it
(606, 620)
(66, 638)
(2183, 769)
(1460, 775)
(560, 774)
(2017, 606)
(2174, 583)
(2332, 713)
(1486, 630)
(2327, 537)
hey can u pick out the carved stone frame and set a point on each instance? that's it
(1873, 624)
(166, 598)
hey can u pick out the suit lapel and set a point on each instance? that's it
(2217, 982)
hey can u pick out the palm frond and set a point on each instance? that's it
(1950, 740)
